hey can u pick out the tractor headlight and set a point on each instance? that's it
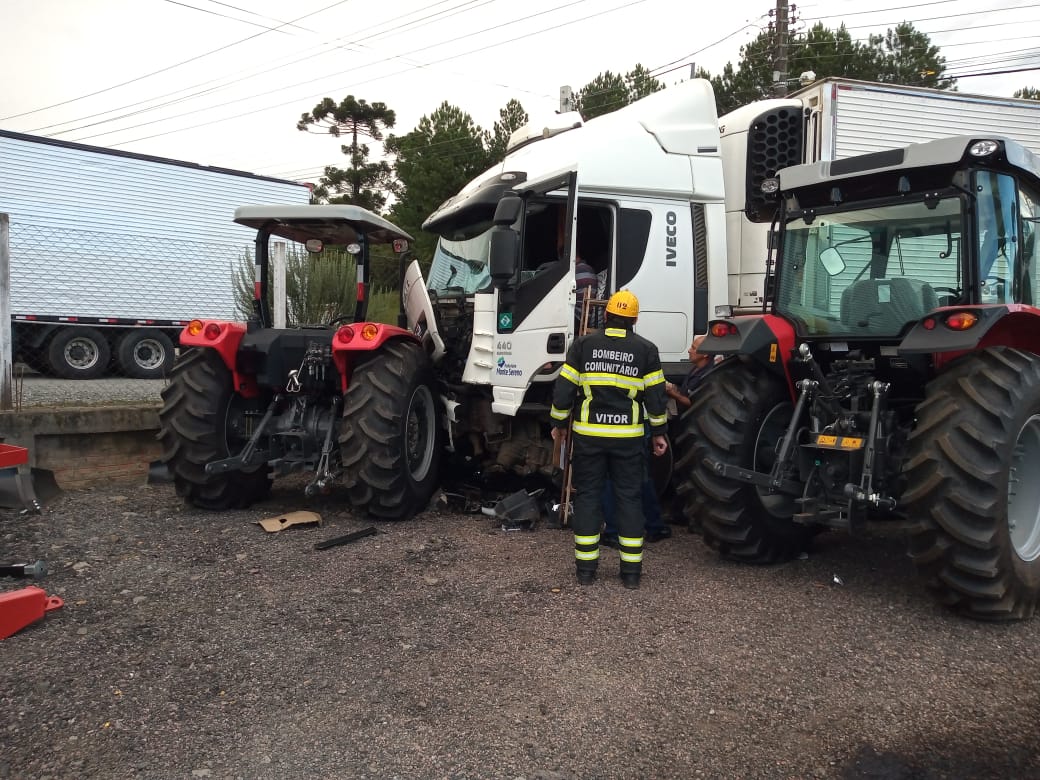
(983, 148)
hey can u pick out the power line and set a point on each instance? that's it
(168, 68)
(376, 78)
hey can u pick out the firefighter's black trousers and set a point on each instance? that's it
(624, 461)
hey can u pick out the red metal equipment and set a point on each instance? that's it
(21, 608)
(18, 482)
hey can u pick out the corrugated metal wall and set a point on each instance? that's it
(874, 119)
(104, 235)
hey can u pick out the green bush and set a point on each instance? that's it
(318, 289)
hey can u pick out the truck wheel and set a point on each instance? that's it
(389, 440)
(78, 353)
(145, 354)
(739, 415)
(202, 420)
(972, 485)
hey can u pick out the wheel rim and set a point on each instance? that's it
(419, 433)
(81, 353)
(149, 354)
(1023, 504)
(774, 426)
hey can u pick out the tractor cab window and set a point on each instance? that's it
(998, 242)
(871, 272)
(1029, 213)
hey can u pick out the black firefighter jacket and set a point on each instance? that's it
(611, 376)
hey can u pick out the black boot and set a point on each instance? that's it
(630, 579)
(586, 576)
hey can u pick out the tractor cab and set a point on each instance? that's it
(894, 376)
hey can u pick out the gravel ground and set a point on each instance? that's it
(32, 390)
(197, 645)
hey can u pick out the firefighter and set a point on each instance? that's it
(617, 373)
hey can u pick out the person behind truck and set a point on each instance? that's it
(619, 375)
(655, 528)
(700, 364)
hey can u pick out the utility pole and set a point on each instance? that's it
(780, 63)
(566, 99)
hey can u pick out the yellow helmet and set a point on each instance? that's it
(623, 304)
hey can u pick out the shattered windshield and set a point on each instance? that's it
(460, 266)
(873, 271)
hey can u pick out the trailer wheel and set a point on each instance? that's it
(145, 354)
(972, 486)
(389, 437)
(78, 353)
(739, 415)
(202, 420)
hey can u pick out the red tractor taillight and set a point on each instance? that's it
(212, 331)
(345, 335)
(720, 329)
(961, 320)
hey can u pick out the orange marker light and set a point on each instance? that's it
(720, 329)
(961, 320)
(195, 327)
(369, 331)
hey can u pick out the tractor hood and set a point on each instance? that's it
(335, 225)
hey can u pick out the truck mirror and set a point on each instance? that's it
(504, 250)
(509, 208)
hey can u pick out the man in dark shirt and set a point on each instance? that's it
(618, 374)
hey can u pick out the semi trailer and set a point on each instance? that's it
(113, 253)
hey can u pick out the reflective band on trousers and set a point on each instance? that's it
(582, 543)
(631, 549)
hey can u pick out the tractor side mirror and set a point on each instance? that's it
(505, 242)
(832, 261)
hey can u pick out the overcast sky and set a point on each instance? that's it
(224, 83)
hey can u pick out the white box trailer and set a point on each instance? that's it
(832, 119)
(112, 253)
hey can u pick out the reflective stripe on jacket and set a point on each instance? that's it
(607, 381)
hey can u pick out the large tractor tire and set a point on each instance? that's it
(973, 485)
(739, 416)
(203, 420)
(389, 437)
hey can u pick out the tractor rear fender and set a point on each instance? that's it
(765, 338)
(225, 338)
(954, 330)
(357, 341)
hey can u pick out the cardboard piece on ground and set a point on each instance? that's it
(277, 523)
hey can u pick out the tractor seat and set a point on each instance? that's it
(886, 305)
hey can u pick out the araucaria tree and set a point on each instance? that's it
(363, 183)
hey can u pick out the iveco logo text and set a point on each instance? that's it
(670, 241)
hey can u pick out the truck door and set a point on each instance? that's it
(535, 313)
